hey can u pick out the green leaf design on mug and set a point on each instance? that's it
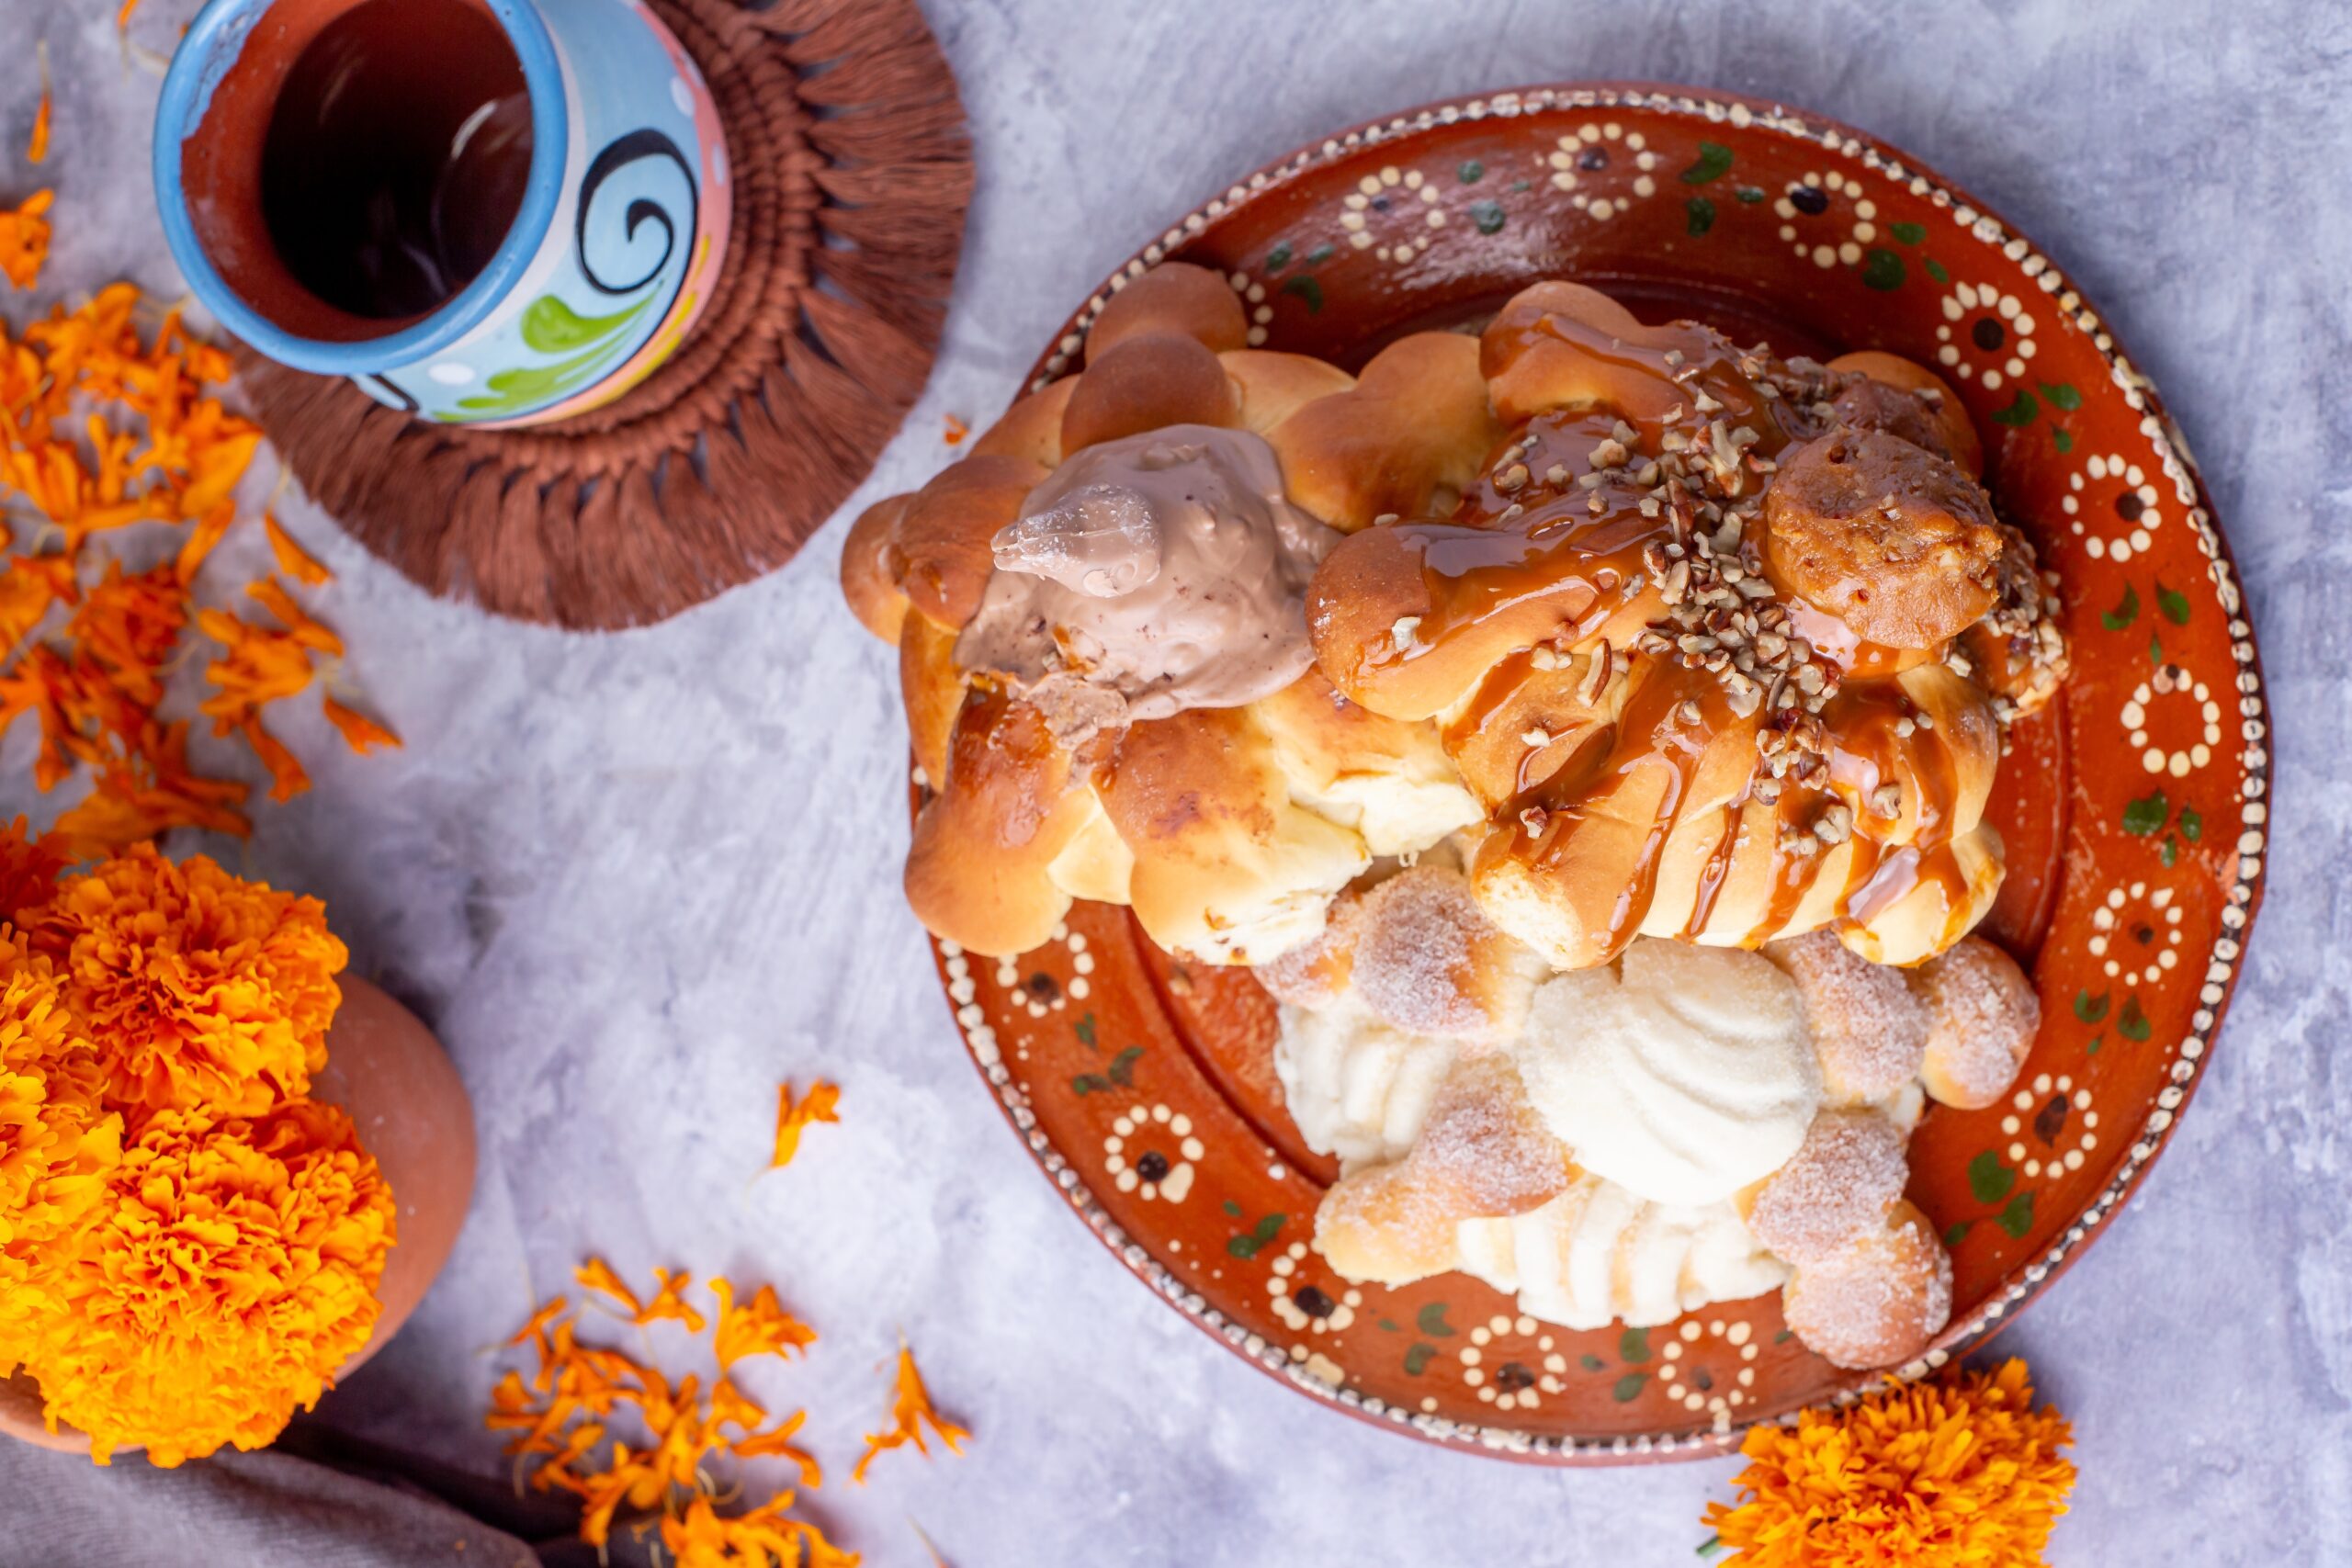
(551, 326)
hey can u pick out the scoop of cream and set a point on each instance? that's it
(1683, 1074)
(1148, 575)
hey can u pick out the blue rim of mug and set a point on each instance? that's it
(205, 56)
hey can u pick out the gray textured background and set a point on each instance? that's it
(636, 880)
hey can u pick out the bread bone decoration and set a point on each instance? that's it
(1719, 645)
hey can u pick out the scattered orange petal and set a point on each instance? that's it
(23, 240)
(774, 1444)
(910, 1411)
(668, 1304)
(957, 431)
(287, 777)
(292, 559)
(37, 148)
(759, 1327)
(597, 1275)
(820, 1104)
(122, 18)
(360, 732)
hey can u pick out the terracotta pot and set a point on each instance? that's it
(384, 1069)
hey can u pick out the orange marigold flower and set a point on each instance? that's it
(1964, 1470)
(198, 987)
(820, 1104)
(701, 1537)
(227, 1270)
(27, 588)
(57, 1145)
(24, 239)
(30, 868)
(910, 1412)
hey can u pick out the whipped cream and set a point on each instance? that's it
(1356, 1087)
(1148, 575)
(1683, 1074)
(1597, 1253)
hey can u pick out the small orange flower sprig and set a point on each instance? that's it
(821, 1103)
(1960, 1470)
(569, 1418)
(189, 1248)
(102, 429)
(910, 1412)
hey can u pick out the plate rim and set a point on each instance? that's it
(2031, 1277)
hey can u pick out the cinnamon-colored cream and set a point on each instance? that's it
(1148, 575)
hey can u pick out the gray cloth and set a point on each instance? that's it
(259, 1510)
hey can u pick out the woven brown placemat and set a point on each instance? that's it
(851, 172)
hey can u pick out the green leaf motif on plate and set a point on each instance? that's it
(2096, 1040)
(2124, 614)
(2145, 817)
(1590, 1362)
(1320, 254)
(1472, 172)
(2062, 395)
(1697, 216)
(2062, 438)
(2173, 602)
(1248, 1244)
(2090, 1008)
(1715, 163)
(1633, 1346)
(1123, 1066)
(1091, 1083)
(2132, 1024)
(1749, 195)
(1390, 1325)
(2020, 411)
(1431, 1321)
(1308, 290)
(1935, 269)
(1086, 1031)
(1958, 1233)
(1908, 233)
(1989, 1178)
(2192, 826)
(1882, 269)
(1232, 1209)
(1417, 1360)
(1629, 1387)
(2172, 852)
(1488, 216)
(1279, 257)
(2017, 1218)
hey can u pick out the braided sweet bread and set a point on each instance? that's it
(1723, 644)
(1102, 641)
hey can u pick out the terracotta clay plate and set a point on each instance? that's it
(2134, 810)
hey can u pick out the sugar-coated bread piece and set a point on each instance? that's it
(976, 873)
(1483, 1151)
(1318, 975)
(870, 569)
(1867, 1029)
(1031, 428)
(1843, 1181)
(1143, 384)
(1956, 433)
(943, 536)
(1228, 868)
(1427, 960)
(1273, 385)
(1403, 442)
(1878, 1303)
(1356, 1087)
(1981, 1017)
(1175, 297)
(1890, 539)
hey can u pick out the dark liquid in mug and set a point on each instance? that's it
(397, 155)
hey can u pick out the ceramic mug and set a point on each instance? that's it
(614, 248)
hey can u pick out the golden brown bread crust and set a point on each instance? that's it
(870, 569)
(942, 538)
(1148, 381)
(1174, 297)
(1884, 535)
(977, 870)
(932, 688)
(1272, 386)
(1403, 441)
(1031, 428)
